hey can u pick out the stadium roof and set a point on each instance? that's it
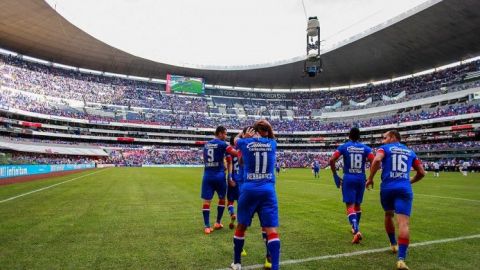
(441, 34)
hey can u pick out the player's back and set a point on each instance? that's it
(258, 155)
(213, 156)
(355, 155)
(396, 165)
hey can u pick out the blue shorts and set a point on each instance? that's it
(233, 192)
(397, 199)
(210, 185)
(316, 170)
(260, 200)
(353, 188)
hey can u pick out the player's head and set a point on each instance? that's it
(264, 129)
(221, 132)
(245, 130)
(391, 136)
(354, 134)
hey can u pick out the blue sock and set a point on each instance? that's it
(402, 248)
(391, 237)
(274, 250)
(220, 209)
(352, 218)
(264, 236)
(231, 209)
(359, 215)
(238, 241)
(206, 215)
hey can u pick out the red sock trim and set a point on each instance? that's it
(239, 233)
(403, 241)
(272, 236)
(263, 230)
(357, 208)
(221, 202)
(206, 206)
(230, 203)
(350, 211)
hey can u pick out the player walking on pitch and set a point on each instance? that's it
(316, 169)
(258, 194)
(396, 193)
(355, 155)
(214, 176)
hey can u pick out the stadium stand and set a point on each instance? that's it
(132, 122)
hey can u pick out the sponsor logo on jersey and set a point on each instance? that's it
(398, 150)
(258, 146)
(355, 149)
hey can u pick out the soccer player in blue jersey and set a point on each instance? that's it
(233, 184)
(396, 193)
(355, 155)
(214, 176)
(316, 169)
(257, 194)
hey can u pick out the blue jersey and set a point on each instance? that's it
(235, 168)
(396, 165)
(259, 157)
(213, 156)
(316, 165)
(355, 155)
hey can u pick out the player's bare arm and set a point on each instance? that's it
(230, 172)
(376, 164)
(420, 171)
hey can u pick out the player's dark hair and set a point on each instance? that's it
(220, 129)
(354, 134)
(395, 133)
(264, 126)
(245, 130)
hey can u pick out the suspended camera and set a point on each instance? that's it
(313, 62)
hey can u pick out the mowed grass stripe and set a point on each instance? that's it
(50, 186)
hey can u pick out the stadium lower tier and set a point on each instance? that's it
(178, 156)
(10, 99)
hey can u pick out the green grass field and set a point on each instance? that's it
(150, 218)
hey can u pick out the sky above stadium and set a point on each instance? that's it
(221, 32)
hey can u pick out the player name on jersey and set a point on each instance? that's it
(258, 176)
(211, 164)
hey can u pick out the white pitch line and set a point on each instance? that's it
(47, 187)
(442, 197)
(414, 193)
(362, 252)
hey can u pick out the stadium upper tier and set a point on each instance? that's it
(90, 88)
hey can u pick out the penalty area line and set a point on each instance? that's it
(47, 187)
(362, 252)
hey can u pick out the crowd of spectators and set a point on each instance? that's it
(446, 146)
(22, 158)
(198, 120)
(95, 88)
